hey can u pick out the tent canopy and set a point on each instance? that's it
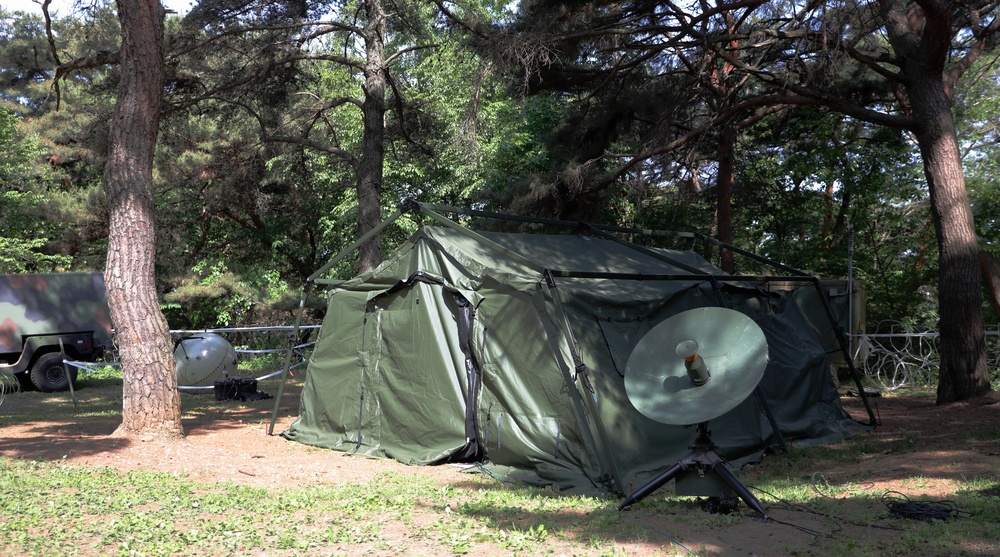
(510, 349)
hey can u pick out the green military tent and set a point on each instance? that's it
(510, 349)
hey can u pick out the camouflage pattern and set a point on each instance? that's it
(51, 304)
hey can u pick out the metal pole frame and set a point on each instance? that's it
(795, 274)
(434, 211)
(310, 281)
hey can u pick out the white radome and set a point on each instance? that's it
(202, 359)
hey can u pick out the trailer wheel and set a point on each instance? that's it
(49, 374)
(24, 381)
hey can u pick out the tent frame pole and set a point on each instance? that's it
(584, 403)
(589, 395)
(425, 209)
(603, 230)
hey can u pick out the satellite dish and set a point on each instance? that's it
(203, 359)
(695, 366)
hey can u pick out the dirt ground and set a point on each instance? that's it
(231, 443)
(224, 441)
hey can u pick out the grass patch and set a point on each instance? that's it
(49, 509)
(790, 483)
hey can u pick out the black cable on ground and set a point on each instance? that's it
(804, 508)
(809, 531)
(901, 506)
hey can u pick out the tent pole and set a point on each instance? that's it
(642, 250)
(428, 208)
(285, 366)
(354, 247)
(479, 238)
(302, 302)
(563, 223)
(752, 255)
(589, 401)
(845, 349)
(610, 467)
(69, 376)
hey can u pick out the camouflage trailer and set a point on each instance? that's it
(37, 311)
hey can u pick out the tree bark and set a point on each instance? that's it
(150, 401)
(373, 142)
(963, 372)
(921, 38)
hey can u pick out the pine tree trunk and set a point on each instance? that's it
(150, 401)
(373, 143)
(964, 373)
(921, 35)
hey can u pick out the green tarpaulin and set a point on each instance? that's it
(510, 349)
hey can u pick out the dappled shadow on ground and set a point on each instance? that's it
(57, 440)
(49, 426)
(663, 524)
(917, 438)
(52, 427)
(919, 449)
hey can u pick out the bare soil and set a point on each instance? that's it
(224, 441)
(918, 449)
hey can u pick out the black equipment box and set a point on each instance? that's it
(239, 388)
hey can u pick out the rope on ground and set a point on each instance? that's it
(481, 468)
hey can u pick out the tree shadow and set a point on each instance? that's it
(51, 427)
(664, 523)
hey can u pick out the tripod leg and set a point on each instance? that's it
(720, 468)
(651, 486)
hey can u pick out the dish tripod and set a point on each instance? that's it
(703, 458)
